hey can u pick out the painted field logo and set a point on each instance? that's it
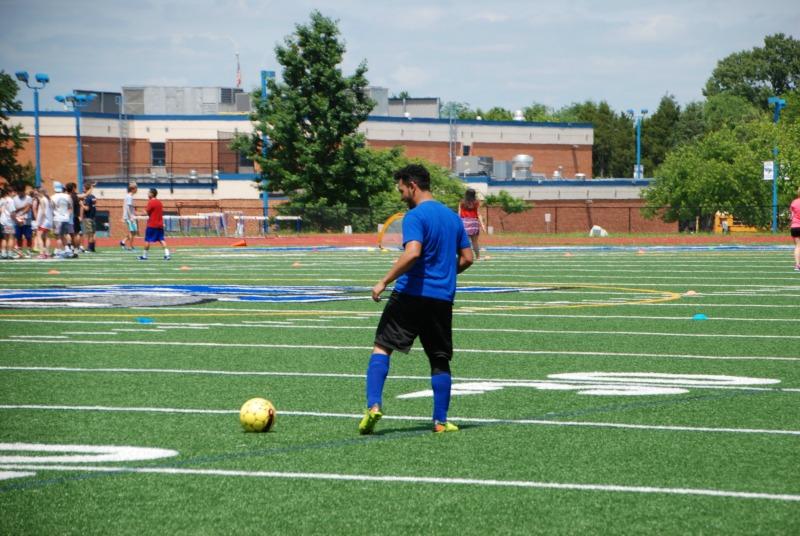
(173, 295)
(17, 460)
(609, 384)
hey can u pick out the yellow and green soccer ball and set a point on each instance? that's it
(257, 415)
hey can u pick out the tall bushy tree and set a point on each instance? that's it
(613, 151)
(12, 139)
(760, 73)
(723, 172)
(658, 133)
(315, 154)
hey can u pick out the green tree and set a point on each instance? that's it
(613, 150)
(726, 110)
(692, 123)
(508, 205)
(538, 112)
(458, 110)
(722, 171)
(315, 156)
(658, 133)
(791, 113)
(12, 139)
(498, 114)
(760, 73)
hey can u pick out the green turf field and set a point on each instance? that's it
(593, 394)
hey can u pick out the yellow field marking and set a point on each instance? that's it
(665, 296)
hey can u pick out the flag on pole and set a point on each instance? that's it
(238, 73)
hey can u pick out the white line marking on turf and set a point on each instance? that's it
(506, 330)
(418, 480)
(80, 453)
(7, 475)
(458, 350)
(38, 337)
(111, 332)
(460, 382)
(356, 416)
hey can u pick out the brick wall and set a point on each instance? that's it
(622, 216)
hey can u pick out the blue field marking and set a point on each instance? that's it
(518, 249)
(176, 295)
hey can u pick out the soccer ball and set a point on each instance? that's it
(257, 415)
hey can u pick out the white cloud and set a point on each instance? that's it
(408, 77)
(659, 28)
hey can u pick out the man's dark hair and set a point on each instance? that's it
(414, 173)
(71, 187)
(154, 192)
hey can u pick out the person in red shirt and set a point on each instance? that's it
(468, 211)
(155, 225)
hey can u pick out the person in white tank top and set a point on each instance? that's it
(44, 223)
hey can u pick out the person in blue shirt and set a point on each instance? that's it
(435, 249)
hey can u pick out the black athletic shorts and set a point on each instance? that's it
(407, 317)
(795, 232)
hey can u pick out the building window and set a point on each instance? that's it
(158, 154)
(465, 150)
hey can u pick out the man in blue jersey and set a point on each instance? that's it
(436, 248)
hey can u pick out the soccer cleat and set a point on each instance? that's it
(167, 257)
(442, 427)
(122, 244)
(797, 268)
(142, 258)
(368, 422)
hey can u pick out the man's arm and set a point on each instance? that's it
(465, 259)
(404, 263)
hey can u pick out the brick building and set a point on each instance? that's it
(188, 159)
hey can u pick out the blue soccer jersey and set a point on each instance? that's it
(442, 235)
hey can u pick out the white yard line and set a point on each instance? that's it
(395, 479)
(367, 348)
(412, 418)
(360, 376)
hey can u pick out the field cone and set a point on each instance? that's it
(239, 244)
(296, 265)
(568, 254)
(53, 272)
(185, 268)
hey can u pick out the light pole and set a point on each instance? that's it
(42, 79)
(779, 105)
(638, 172)
(264, 145)
(77, 101)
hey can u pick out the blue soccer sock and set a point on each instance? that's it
(377, 371)
(441, 383)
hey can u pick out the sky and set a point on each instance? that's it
(508, 53)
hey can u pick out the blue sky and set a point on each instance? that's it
(506, 53)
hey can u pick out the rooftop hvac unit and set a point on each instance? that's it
(475, 165)
(521, 166)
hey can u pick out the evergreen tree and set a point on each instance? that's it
(12, 139)
(315, 155)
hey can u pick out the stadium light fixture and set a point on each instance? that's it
(77, 101)
(638, 171)
(42, 80)
(779, 104)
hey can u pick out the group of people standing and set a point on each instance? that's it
(53, 226)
